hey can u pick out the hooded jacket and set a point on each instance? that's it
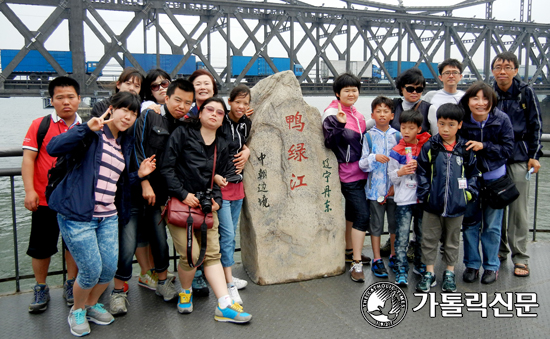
(527, 133)
(438, 182)
(378, 182)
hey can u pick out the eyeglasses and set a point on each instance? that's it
(163, 83)
(450, 72)
(211, 110)
(412, 89)
(507, 68)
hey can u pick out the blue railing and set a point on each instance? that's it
(13, 172)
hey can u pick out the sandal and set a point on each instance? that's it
(502, 258)
(523, 267)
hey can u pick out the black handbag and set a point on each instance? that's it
(499, 193)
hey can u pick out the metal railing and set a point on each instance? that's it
(13, 172)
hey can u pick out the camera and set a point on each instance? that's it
(205, 199)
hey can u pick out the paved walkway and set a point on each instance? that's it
(321, 308)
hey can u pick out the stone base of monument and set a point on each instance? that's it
(292, 222)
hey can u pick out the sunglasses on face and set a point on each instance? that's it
(156, 87)
(412, 89)
(210, 109)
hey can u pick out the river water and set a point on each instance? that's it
(20, 112)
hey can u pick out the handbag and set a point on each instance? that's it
(500, 192)
(193, 218)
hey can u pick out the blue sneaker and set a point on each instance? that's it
(185, 302)
(379, 269)
(401, 277)
(200, 288)
(40, 299)
(232, 314)
(428, 280)
(392, 263)
(419, 269)
(449, 284)
(68, 292)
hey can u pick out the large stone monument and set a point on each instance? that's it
(293, 224)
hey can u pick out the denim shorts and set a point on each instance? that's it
(357, 207)
(94, 246)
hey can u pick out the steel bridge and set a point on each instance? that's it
(309, 35)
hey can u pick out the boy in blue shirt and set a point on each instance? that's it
(402, 172)
(447, 180)
(377, 144)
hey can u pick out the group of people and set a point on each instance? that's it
(418, 160)
(431, 162)
(155, 138)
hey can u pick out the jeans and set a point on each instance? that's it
(94, 246)
(403, 217)
(229, 220)
(490, 237)
(149, 217)
(357, 205)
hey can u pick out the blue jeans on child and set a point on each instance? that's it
(228, 216)
(94, 247)
(490, 236)
(403, 216)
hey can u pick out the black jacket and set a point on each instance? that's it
(100, 107)
(237, 133)
(151, 132)
(423, 108)
(527, 132)
(185, 165)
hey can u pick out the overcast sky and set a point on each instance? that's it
(34, 16)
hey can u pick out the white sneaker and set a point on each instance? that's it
(118, 303)
(234, 294)
(240, 283)
(78, 323)
(167, 290)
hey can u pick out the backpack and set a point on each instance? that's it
(42, 130)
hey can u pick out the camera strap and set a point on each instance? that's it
(204, 228)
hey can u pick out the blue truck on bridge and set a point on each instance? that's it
(35, 66)
(260, 68)
(167, 62)
(391, 66)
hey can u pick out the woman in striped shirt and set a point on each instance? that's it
(98, 158)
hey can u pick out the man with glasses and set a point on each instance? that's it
(450, 73)
(518, 100)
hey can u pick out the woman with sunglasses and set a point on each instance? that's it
(153, 91)
(188, 168)
(130, 80)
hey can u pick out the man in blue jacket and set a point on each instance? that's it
(519, 101)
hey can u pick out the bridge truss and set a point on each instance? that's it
(303, 33)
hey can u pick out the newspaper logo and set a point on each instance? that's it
(383, 305)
